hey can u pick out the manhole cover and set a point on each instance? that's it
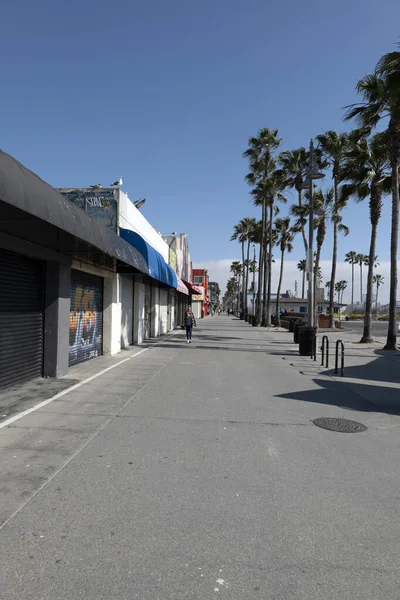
(340, 425)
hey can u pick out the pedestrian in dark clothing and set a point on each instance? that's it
(190, 322)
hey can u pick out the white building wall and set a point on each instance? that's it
(112, 314)
(138, 313)
(173, 308)
(126, 311)
(163, 311)
(155, 311)
(131, 218)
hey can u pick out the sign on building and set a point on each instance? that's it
(99, 204)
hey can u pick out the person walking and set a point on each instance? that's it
(190, 322)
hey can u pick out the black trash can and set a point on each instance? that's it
(292, 323)
(306, 336)
(297, 323)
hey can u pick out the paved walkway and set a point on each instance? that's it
(195, 472)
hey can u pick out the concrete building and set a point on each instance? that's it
(201, 302)
(75, 283)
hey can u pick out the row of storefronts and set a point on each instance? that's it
(72, 287)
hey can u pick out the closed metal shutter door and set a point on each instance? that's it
(86, 317)
(22, 287)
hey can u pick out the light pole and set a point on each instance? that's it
(313, 173)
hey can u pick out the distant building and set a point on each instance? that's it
(201, 303)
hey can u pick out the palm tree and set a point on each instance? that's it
(340, 287)
(302, 265)
(294, 165)
(241, 232)
(367, 170)
(285, 236)
(378, 280)
(351, 259)
(362, 259)
(333, 147)
(381, 94)
(236, 269)
(276, 184)
(256, 238)
(260, 155)
(324, 204)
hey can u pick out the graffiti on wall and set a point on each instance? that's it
(99, 204)
(85, 323)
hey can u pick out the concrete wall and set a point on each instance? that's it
(126, 311)
(138, 312)
(155, 311)
(163, 311)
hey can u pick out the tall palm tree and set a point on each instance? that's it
(294, 164)
(378, 280)
(256, 238)
(284, 239)
(324, 205)
(302, 265)
(276, 185)
(245, 228)
(381, 98)
(362, 260)
(340, 287)
(333, 147)
(236, 269)
(269, 189)
(241, 232)
(367, 169)
(260, 154)
(351, 259)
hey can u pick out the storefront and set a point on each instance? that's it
(86, 317)
(22, 306)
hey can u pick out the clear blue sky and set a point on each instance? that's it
(167, 92)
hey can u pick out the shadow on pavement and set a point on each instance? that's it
(353, 396)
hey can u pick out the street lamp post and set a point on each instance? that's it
(313, 173)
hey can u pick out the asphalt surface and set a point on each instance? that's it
(379, 328)
(195, 472)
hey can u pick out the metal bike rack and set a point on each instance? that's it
(325, 346)
(337, 358)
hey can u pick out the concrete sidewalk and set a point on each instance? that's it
(195, 471)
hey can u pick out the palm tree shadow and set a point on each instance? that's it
(351, 396)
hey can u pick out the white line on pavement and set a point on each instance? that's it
(11, 420)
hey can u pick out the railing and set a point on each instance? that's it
(325, 345)
(339, 342)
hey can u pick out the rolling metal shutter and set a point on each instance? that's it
(22, 285)
(86, 317)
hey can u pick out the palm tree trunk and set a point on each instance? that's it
(261, 265)
(246, 310)
(376, 303)
(391, 335)
(303, 285)
(243, 282)
(367, 338)
(303, 233)
(333, 276)
(352, 285)
(265, 281)
(361, 295)
(278, 295)
(271, 216)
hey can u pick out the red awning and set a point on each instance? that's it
(196, 291)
